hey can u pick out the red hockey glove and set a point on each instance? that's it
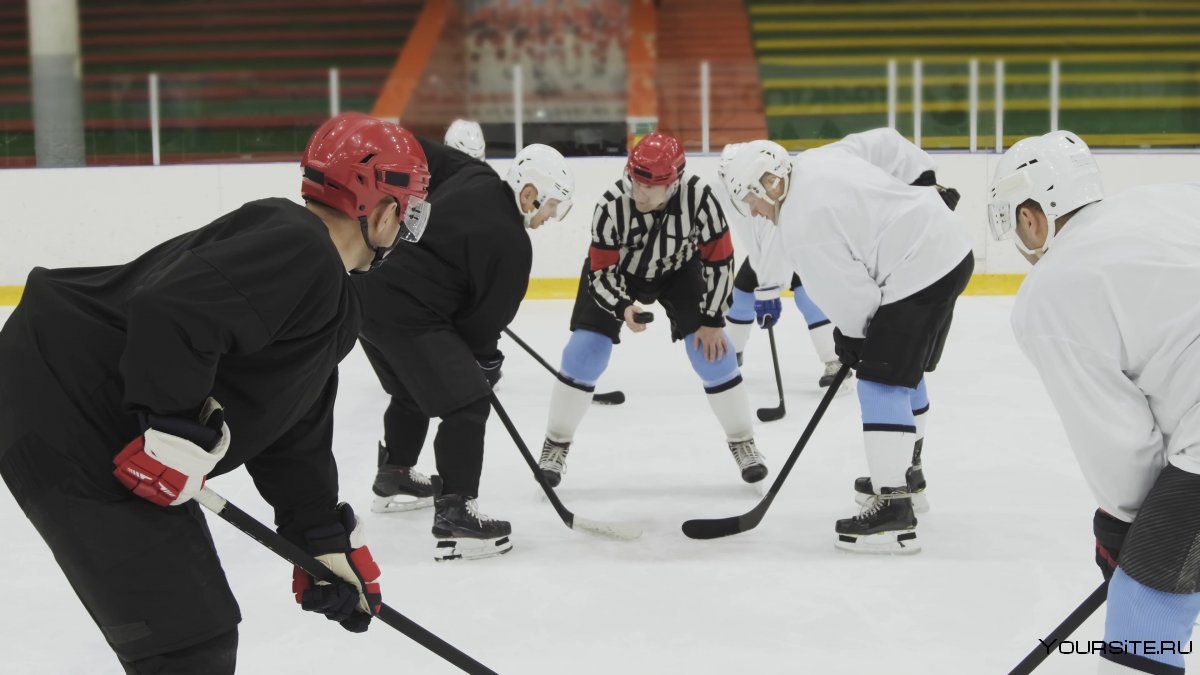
(167, 464)
(340, 547)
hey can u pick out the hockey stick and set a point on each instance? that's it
(623, 531)
(302, 559)
(723, 527)
(1063, 631)
(605, 398)
(772, 414)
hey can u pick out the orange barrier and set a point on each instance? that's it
(398, 88)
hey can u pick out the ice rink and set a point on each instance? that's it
(1007, 543)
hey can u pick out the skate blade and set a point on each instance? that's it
(399, 503)
(470, 549)
(896, 542)
(919, 501)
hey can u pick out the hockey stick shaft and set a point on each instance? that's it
(776, 413)
(1063, 631)
(566, 515)
(721, 527)
(775, 362)
(608, 396)
(302, 559)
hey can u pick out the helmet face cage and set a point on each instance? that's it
(743, 173)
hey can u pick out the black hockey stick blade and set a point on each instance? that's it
(609, 398)
(621, 531)
(606, 398)
(713, 528)
(776, 413)
(1063, 631)
(305, 561)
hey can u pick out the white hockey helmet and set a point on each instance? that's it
(466, 135)
(546, 170)
(1056, 170)
(742, 173)
(727, 154)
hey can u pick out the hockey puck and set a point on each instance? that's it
(643, 317)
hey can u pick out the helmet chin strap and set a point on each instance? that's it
(381, 252)
(1041, 250)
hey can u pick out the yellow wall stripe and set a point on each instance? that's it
(564, 288)
(836, 82)
(972, 22)
(10, 295)
(926, 41)
(986, 140)
(1010, 57)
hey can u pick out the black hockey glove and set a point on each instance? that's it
(1110, 534)
(848, 349)
(491, 367)
(948, 195)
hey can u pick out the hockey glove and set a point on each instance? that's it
(340, 548)
(491, 368)
(167, 464)
(767, 307)
(1110, 534)
(848, 349)
(948, 195)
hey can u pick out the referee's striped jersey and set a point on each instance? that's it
(651, 245)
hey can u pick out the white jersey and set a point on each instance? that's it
(860, 236)
(1110, 317)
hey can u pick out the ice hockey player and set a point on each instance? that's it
(125, 387)
(433, 316)
(1110, 317)
(467, 135)
(658, 235)
(761, 277)
(886, 260)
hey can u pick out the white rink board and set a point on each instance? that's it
(109, 215)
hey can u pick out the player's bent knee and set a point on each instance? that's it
(712, 373)
(586, 356)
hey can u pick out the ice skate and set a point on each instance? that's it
(400, 488)
(462, 532)
(831, 370)
(915, 478)
(553, 463)
(749, 460)
(886, 524)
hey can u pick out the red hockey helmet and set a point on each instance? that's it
(354, 160)
(657, 159)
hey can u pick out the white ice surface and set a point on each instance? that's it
(1007, 544)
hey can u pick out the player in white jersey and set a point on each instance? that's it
(886, 261)
(762, 276)
(467, 136)
(1110, 317)
(658, 235)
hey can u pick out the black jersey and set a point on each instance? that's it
(254, 309)
(470, 270)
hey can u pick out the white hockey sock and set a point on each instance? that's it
(889, 454)
(568, 405)
(732, 408)
(822, 339)
(739, 335)
(919, 420)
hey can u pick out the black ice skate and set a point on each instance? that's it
(463, 532)
(831, 370)
(553, 463)
(749, 461)
(399, 488)
(915, 478)
(886, 524)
